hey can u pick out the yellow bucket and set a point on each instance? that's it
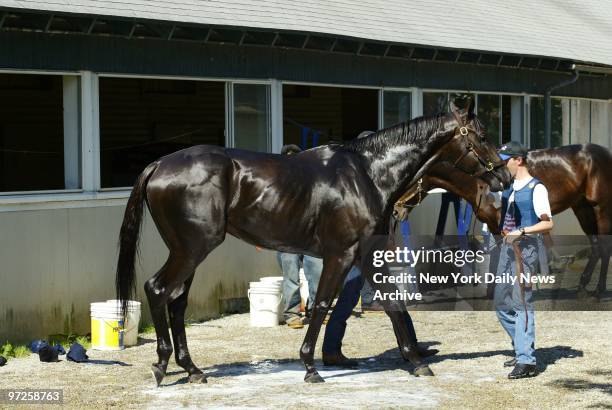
(106, 327)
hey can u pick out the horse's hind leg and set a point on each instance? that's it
(158, 289)
(604, 226)
(176, 312)
(586, 217)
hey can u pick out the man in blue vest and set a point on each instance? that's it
(525, 214)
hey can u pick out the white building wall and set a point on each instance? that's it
(56, 262)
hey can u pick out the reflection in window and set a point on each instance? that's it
(434, 103)
(252, 117)
(317, 115)
(32, 133)
(144, 119)
(396, 107)
(489, 107)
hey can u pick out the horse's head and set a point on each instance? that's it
(470, 152)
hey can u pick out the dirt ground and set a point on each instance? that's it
(259, 367)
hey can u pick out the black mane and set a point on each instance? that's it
(413, 131)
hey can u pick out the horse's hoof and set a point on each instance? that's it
(197, 378)
(313, 377)
(158, 374)
(423, 370)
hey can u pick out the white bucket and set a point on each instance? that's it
(276, 280)
(265, 303)
(108, 330)
(272, 279)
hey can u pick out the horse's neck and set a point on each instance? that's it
(401, 165)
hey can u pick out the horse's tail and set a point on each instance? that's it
(128, 239)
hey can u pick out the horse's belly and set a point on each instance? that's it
(272, 234)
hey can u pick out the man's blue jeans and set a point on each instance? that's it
(290, 265)
(516, 316)
(349, 296)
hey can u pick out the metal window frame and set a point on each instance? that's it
(381, 102)
(9, 196)
(271, 100)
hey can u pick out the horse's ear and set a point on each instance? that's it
(454, 108)
(470, 106)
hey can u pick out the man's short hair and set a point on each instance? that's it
(290, 149)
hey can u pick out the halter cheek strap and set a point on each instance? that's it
(464, 131)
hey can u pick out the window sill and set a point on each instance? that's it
(61, 200)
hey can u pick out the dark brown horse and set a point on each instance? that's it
(576, 176)
(322, 202)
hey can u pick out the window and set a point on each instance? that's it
(495, 112)
(39, 132)
(251, 122)
(142, 120)
(397, 107)
(434, 103)
(489, 112)
(537, 118)
(316, 115)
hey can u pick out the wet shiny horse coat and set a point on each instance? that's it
(576, 176)
(321, 202)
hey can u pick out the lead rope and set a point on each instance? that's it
(519, 273)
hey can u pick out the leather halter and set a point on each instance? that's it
(488, 165)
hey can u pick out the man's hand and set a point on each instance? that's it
(512, 236)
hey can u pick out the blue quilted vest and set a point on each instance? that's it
(523, 212)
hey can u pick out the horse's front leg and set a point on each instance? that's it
(335, 268)
(395, 309)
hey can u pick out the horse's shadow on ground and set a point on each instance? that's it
(388, 360)
(544, 356)
(144, 340)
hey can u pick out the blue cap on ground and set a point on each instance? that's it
(37, 344)
(60, 349)
(77, 353)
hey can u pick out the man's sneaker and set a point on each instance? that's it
(521, 371)
(295, 322)
(510, 363)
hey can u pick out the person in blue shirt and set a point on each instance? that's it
(525, 214)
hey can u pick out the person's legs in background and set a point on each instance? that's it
(336, 327)
(312, 270)
(290, 265)
(334, 331)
